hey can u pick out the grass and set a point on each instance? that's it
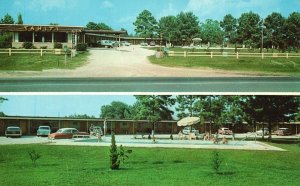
(74, 165)
(35, 62)
(267, 66)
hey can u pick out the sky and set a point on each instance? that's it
(122, 13)
(59, 105)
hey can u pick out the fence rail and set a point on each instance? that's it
(41, 51)
(237, 55)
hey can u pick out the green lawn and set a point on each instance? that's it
(74, 165)
(34, 62)
(268, 66)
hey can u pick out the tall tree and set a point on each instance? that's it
(8, 19)
(274, 24)
(116, 110)
(186, 105)
(188, 26)
(249, 29)
(274, 109)
(292, 30)
(97, 26)
(233, 112)
(154, 108)
(126, 34)
(168, 28)
(1, 101)
(211, 32)
(20, 19)
(211, 109)
(82, 116)
(146, 25)
(229, 25)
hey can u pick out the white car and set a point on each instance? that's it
(43, 131)
(264, 131)
(125, 43)
(13, 132)
(187, 130)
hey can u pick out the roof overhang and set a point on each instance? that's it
(39, 28)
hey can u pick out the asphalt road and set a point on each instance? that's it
(284, 85)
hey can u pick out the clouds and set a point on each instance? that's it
(46, 5)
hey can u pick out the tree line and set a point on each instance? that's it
(249, 29)
(216, 110)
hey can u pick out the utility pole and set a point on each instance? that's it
(262, 37)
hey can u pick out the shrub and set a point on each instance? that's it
(27, 45)
(58, 45)
(43, 47)
(34, 156)
(81, 47)
(5, 40)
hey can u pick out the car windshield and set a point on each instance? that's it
(44, 128)
(59, 131)
(13, 128)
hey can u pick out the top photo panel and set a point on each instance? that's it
(150, 46)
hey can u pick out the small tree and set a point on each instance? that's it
(115, 163)
(117, 155)
(216, 161)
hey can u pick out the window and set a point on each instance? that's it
(25, 36)
(42, 37)
(61, 37)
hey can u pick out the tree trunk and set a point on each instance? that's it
(270, 129)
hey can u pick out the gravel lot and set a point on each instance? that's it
(130, 61)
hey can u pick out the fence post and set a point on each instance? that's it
(9, 51)
(211, 54)
(41, 52)
(287, 55)
(184, 54)
(237, 55)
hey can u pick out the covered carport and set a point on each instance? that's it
(91, 37)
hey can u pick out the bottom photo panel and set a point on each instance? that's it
(89, 139)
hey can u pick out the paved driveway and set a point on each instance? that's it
(125, 62)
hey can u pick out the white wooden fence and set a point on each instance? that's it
(233, 54)
(41, 52)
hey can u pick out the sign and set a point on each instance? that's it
(40, 28)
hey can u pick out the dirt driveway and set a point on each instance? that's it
(125, 62)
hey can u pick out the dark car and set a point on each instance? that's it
(13, 132)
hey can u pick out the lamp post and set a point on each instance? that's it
(262, 37)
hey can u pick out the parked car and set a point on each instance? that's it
(66, 133)
(225, 131)
(264, 131)
(282, 132)
(106, 43)
(144, 44)
(43, 131)
(13, 132)
(125, 43)
(152, 43)
(187, 130)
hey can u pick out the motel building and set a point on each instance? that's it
(29, 125)
(47, 35)
(70, 36)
